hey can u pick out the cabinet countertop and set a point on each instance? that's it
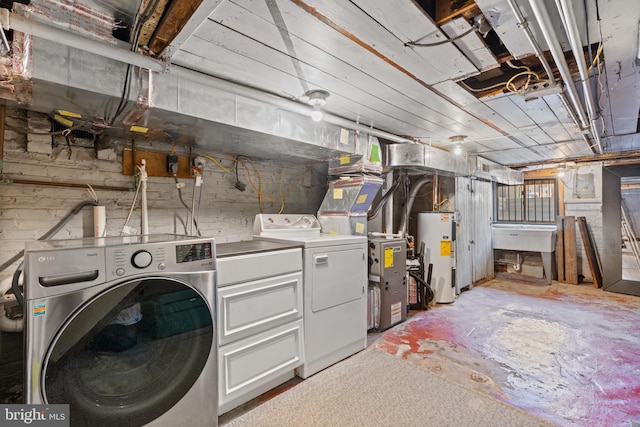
(224, 250)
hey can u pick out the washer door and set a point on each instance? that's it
(129, 354)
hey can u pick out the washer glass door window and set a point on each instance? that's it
(129, 354)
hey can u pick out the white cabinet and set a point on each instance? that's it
(260, 327)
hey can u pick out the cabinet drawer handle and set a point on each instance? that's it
(321, 259)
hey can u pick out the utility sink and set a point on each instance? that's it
(527, 237)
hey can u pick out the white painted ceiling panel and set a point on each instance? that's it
(429, 119)
(355, 49)
(472, 45)
(440, 110)
(402, 22)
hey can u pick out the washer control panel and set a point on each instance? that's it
(141, 259)
(126, 260)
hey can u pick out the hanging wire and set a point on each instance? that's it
(441, 42)
(126, 88)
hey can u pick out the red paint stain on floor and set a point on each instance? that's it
(569, 356)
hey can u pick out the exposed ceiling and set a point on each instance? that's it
(366, 54)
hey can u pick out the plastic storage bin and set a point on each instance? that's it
(367, 156)
(346, 224)
(350, 194)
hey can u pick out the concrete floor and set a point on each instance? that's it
(568, 354)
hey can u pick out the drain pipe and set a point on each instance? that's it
(19, 23)
(542, 17)
(402, 230)
(571, 28)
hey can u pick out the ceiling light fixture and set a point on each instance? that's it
(458, 140)
(561, 171)
(317, 99)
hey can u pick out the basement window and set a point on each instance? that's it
(535, 201)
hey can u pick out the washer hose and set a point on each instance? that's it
(52, 232)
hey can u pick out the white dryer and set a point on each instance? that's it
(123, 329)
(334, 287)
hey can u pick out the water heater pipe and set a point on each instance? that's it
(402, 230)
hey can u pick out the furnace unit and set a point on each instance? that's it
(387, 272)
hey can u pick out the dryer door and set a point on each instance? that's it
(129, 354)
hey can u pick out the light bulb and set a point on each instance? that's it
(316, 116)
(457, 150)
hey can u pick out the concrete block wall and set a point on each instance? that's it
(28, 211)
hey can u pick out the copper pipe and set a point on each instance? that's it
(66, 184)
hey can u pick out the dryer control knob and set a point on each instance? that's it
(141, 259)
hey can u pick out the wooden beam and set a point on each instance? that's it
(150, 25)
(446, 10)
(570, 250)
(172, 22)
(156, 163)
(560, 249)
(590, 251)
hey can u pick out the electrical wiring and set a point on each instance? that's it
(216, 161)
(452, 39)
(126, 88)
(195, 223)
(596, 59)
(258, 189)
(281, 179)
(53, 133)
(494, 86)
(92, 193)
(529, 73)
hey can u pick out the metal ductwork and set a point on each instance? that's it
(420, 158)
(215, 113)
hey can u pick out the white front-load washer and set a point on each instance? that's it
(334, 269)
(123, 329)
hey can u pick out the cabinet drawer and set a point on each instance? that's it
(252, 366)
(243, 268)
(253, 307)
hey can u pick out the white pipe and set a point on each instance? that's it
(6, 324)
(542, 17)
(522, 23)
(38, 29)
(144, 216)
(99, 221)
(571, 28)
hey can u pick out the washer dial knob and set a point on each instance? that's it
(141, 259)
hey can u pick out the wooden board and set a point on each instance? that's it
(449, 9)
(560, 249)
(590, 251)
(570, 251)
(156, 163)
